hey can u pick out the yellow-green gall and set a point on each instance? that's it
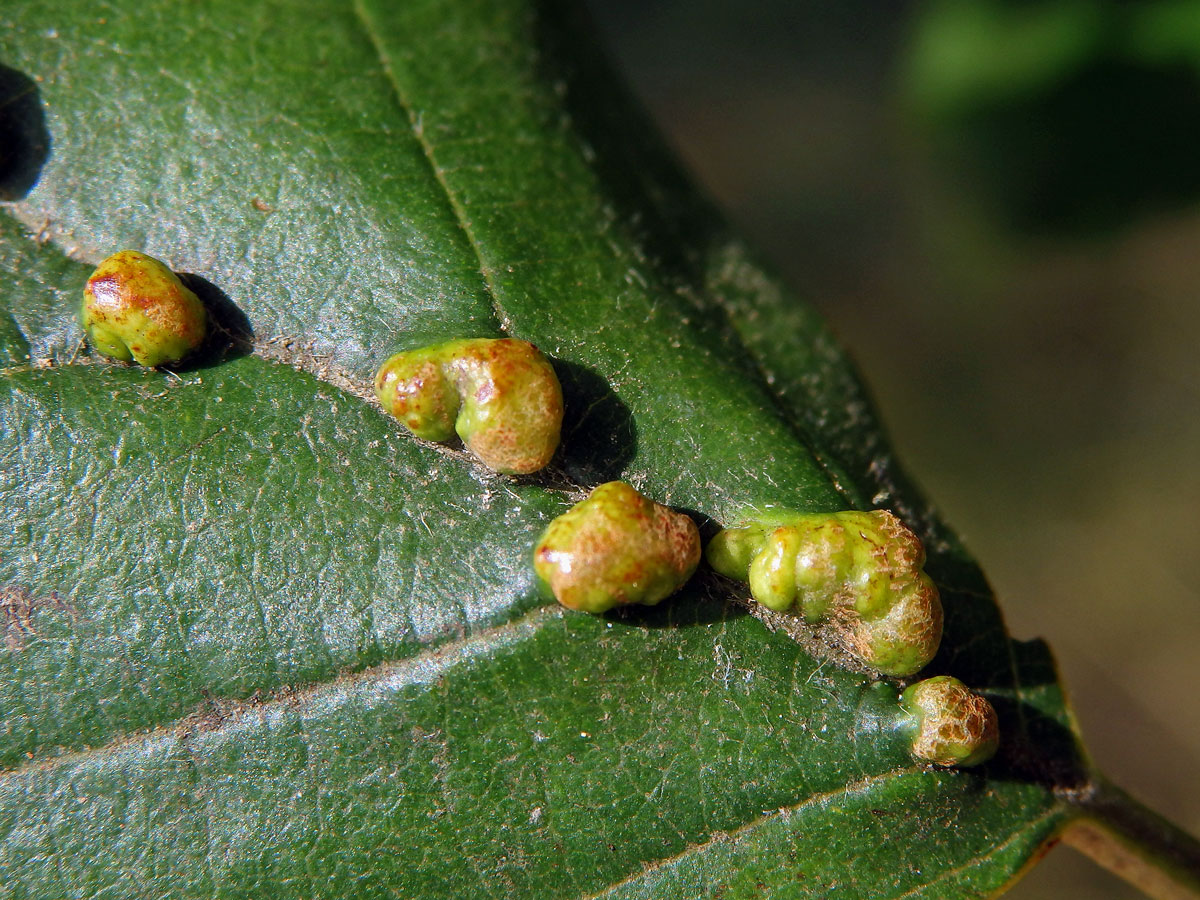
(134, 307)
(616, 547)
(951, 724)
(500, 396)
(859, 571)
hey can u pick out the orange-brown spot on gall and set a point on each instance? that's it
(500, 396)
(134, 307)
(615, 548)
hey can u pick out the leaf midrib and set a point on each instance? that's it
(409, 670)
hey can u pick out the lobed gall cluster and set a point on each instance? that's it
(500, 396)
(135, 308)
(614, 548)
(859, 571)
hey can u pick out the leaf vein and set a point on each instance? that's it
(439, 173)
(725, 838)
(978, 858)
(418, 668)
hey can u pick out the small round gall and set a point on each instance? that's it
(135, 308)
(951, 725)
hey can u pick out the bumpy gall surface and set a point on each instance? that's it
(614, 548)
(135, 308)
(953, 726)
(500, 396)
(859, 571)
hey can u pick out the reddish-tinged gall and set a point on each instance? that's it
(500, 396)
(135, 308)
(614, 548)
(859, 571)
(951, 724)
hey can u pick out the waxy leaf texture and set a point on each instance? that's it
(259, 641)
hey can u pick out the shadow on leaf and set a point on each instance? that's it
(599, 436)
(704, 601)
(229, 335)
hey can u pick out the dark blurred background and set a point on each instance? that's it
(997, 205)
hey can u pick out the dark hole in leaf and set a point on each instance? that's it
(24, 140)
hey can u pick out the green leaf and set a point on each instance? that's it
(260, 641)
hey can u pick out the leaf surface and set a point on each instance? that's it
(258, 639)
